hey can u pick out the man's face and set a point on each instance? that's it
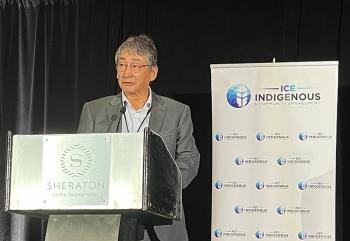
(135, 83)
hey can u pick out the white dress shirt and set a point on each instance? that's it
(136, 120)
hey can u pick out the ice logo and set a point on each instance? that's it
(302, 235)
(281, 161)
(218, 185)
(302, 185)
(302, 136)
(260, 136)
(281, 210)
(217, 233)
(259, 234)
(238, 209)
(219, 136)
(238, 96)
(259, 185)
(239, 161)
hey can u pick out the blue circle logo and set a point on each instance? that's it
(239, 161)
(302, 136)
(218, 185)
(238, 209)
(219, 136)
(260, 136)
(281, 210)
(259, 234)
(302, 185)
(302, 235)
(281, 161)
(238, 96)
(260, 185)
(217, 233)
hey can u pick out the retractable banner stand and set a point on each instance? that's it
(274, 151)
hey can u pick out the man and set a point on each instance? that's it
(136, 64)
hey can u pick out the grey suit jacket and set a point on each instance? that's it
(172, 121)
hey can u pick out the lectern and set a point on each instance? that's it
(85, 183)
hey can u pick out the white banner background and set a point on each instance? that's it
(286, 146)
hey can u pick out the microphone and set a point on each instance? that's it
(122, 112)
(113, 118)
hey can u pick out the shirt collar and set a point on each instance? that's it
(146, 106)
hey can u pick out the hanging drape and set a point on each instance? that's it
(54, 55)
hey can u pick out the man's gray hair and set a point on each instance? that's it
(141, 45)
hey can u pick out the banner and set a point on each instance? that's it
(274, 151)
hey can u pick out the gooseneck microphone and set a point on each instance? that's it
(122, 113)
(113, 119)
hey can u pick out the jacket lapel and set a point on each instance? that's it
(157, 113)
(113, 113)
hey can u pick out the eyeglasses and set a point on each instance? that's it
(136, 68)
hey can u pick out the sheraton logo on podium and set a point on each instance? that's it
(77, 171)
(75, 160)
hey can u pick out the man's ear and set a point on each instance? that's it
(154, 72)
